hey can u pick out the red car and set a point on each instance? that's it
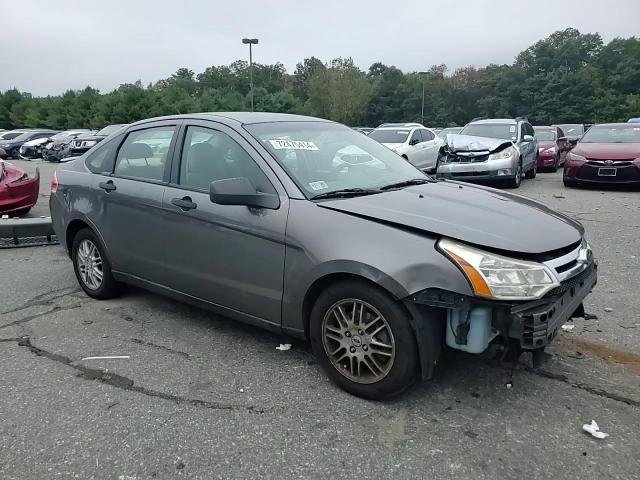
(552, 148)
(18, 192)
(607, 153)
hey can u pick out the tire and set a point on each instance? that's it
(569, 183)
(20, 213)
(391, 371)
(534, 170)
(107, 287)
(517, 179)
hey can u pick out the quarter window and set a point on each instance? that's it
(209, 155)
(144, 153)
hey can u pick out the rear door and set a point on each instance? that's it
(228, 255)
(131, 200)
(431, 145)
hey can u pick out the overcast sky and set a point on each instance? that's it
(48, 46)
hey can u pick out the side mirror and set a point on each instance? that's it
(240, 191)
(414, 141)
(527, 138)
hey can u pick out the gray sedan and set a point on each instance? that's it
(304, 226)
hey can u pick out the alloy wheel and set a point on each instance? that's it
(358, 341)
(90, 264)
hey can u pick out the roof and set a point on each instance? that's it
(243, 118)
(495, 120)
(619, 124)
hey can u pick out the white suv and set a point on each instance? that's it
(412, 141)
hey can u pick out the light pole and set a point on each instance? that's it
(250, 41)
(422, 110)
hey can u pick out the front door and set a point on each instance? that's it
(228, 255)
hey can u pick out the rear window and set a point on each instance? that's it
(102, 157)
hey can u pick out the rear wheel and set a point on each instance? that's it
(92, 267)
(363, 340)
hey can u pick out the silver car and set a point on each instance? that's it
(490, 150)
(309, 228)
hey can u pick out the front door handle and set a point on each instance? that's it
(107, 186)
(185, 203)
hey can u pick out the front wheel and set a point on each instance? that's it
(517, 178)
(92, 267)
(534, 170)
(364, 341)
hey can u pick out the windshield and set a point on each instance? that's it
(108, 130)
(503, 131)
(572, 130)
(452, 130)
(60, 136)
(324, 157)
(11, 135)
(390, 135)
(546, 135)
(612, 134)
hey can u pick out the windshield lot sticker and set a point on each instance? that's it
(512, 128)
(293, 145)
(315, 186)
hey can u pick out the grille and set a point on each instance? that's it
(453, 158)
(469, 174)
(577, 281)
(627, 172)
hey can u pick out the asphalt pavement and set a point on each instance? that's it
(200, 396)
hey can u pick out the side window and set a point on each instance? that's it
(427, 136)
(415, 137)
(144, 153)
(523, 131)
(100, 160)
(530, 130)
(209, 155)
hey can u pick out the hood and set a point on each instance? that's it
(608, 151)
(469, 143)
(36, 142)
(543, 145)
(393, 145)
(90, 136)
(477, 215)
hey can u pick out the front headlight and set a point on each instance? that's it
(89, 143)
(503, 154)
(498, 277)
(549, 150)
(575, 157)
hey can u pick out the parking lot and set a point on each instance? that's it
(199, 396)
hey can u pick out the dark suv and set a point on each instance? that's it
(12, 145)
(84, 143)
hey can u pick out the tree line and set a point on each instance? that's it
(567, 77)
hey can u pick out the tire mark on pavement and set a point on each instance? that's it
(124, 383)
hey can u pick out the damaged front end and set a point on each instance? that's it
(471, 157)
(520, 303)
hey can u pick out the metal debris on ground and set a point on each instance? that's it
(608, 309)
(593, 429)
(567, 328)
(109, 357)
(284, 347)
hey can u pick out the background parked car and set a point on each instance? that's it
(572, 131)
(12, 145)
(491, 150)
(411, 141)
(365, 130)
(33, 148)
(82, 143)
(449, 130)
(60, 146)
(18, 192)
(634, 120)
(552, 147)
(607, 153)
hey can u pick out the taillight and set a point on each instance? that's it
(54, 183)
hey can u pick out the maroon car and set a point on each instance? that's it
(552, 147)
(18, 192)
(607, 153)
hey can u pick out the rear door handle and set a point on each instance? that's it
(185, 203)
(107, 186)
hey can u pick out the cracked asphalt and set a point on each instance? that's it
(204, 397)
